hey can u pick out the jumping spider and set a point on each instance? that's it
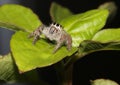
(53, 32)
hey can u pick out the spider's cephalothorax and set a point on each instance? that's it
(53, 32)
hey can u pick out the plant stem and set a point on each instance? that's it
(68, 76)
(64, 74)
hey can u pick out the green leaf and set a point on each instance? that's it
(59, 12)
(103, 82)
(107, 35)
(6, 68)
(17, 17)
(88, 46)
(107, 39)
(28, 56)
(9, 72)
(84, 26)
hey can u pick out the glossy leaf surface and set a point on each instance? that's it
(108, 35)
(17, 17)
(84, 26)
(29, 56)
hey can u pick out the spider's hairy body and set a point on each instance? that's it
(53, 32)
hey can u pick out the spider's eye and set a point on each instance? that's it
(57, 25)
(60, 26)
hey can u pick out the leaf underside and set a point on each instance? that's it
(89, 46)
(107, 39)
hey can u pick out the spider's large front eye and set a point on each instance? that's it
(57, 25)
(53, 30)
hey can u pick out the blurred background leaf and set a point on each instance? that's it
(9, 72)
(59, 12)
(103, 82)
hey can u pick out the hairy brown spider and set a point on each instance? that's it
(53, 32)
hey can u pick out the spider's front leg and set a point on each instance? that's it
(58, 45)
(36, 34)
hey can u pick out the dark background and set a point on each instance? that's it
(104, 64)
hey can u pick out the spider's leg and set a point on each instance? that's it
(36, 34)
(59, 44)
(31, 35)
(68, 42)
(36, 38)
